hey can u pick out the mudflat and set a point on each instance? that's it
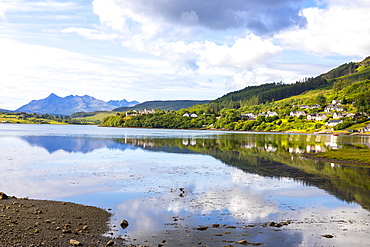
(26, 222)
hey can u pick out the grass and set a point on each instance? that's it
(360, 155)
(99, 116)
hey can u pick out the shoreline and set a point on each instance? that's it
(31, 222)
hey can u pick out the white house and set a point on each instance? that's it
(271, 113)
(248, 115)
(332, 107)
(297, 113)
(332, 123)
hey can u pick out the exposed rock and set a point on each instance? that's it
(3, 196)
(243, 241)
(202, 228)
(124, 224)
(74, 242)
(110, 243)
(327, 236)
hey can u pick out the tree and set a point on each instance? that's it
(320, 99)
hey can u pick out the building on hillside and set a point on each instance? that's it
(297, 113)
(321, 117)
(186, 115)
(336, 102)
(332, 107)
(365, 129)
(148, 111)
(315, 106)
(247, 115)
(312, 117)
(317, 117)
(304, 107)
(193, 115)
(132, 113)
(332, 123)
(271, 113)
(339, 115)
(359, 115)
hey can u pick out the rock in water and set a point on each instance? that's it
(3, 196)
(124, 224)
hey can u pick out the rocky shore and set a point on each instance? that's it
(32, 223)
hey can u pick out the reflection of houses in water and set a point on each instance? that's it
(315, 148)
(333, 165)
(187, 142)
(296, 150)
(249, 145)
(138, 142)
(270, 148)
(333, 142)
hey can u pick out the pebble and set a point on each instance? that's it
(74, 242)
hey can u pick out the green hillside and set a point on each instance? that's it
(163, 105)
(274, 106)
(338, 81)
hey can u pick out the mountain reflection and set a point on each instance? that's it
(74, 144)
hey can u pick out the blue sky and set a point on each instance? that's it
(171, 49)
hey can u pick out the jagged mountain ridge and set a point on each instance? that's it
(53, 104)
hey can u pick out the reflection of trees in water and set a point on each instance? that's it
(273, 157)
(262, 154)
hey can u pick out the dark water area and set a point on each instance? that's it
(195, 188)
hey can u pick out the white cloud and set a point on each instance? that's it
(91, 34)
(32, 72)
(341, 28)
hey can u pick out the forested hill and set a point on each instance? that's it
(163, 105)
(337, 79)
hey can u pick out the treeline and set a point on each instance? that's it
(255, 95)
(41, 118)
(159, 120)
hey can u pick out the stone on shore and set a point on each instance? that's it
(3, 196)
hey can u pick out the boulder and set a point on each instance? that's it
(124, 224)
(3, 196)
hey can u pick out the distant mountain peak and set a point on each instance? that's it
(53, 104)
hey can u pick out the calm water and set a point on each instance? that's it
(166, 183)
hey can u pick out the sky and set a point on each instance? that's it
(171, 49)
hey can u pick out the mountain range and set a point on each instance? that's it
(53, 104)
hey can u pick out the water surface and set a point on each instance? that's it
(167, 183)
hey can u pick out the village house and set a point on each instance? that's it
(131, 113)
(190, 115)
(317, 117)
(271, 113)
(311, 117)
(304, 107)
(332, 123)
(297, 113)
(247, 115)
(315, 106)
(365, 129)
(332, 107)
(339, 115)
(148, 111)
